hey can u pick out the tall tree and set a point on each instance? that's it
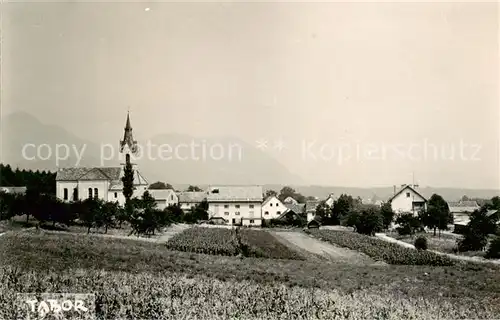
(387, 214)
(193, 189)
(270, 193)
(341, 207)
(437, 215)
(287, 191)
(128, 180)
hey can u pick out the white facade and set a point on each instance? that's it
(272, 208)
(330, 200)
(233, 212)
(190, 199)
(164, 197)
(251, 222)
(408, 200)
(310, 216)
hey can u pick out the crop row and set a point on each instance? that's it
(381, 250)
(231, 242)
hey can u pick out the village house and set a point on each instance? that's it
(461, 211)
(330, 200)
(408, 200)
(73, 184)
(13, 190)
(239, 205)
(164, 197)
(272, 208)
(190, 199)
(290, 200)
(310, 209)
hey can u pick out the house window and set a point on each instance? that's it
(75, 194)
(237, 213)
(252, 221)
(251, 206)
(276, 204)
(171, 197)
(270, 204)
(90, 193)
(65, 193)
(407, 194)
(266, 213)
(226, 213)
(226, 206)
(116, 195)
(279, 212)
(96, 193)
(237, 206)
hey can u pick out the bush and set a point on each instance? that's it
(421, 243)
(494, 250)
(408, 224)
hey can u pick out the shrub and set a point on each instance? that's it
(421, 243)
(408, 224)
(494, 250)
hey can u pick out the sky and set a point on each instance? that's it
(323, 80)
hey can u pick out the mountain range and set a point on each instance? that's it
(199, 161)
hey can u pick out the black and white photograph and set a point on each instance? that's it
(249, 160)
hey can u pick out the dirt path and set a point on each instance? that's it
(172, 231)
(303, 242)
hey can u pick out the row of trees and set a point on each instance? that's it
(143, 216)
(286, 192)
(42, 181)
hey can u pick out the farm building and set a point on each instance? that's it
(311, 209)
(237, 204)
(313, 224)
(272, 208)
(164, 197)
(190, 199)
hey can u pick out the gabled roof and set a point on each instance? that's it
(297, 208)
(94, 174)
(405, 188)
(463, 204)
(290, 199)
(162, 194)
(269, 199)
(235, 193)
(311, 205)
(75, 174)
(192, 196)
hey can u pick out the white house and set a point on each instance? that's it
(164, 197)
(311, 209)
(190, 199)
(330, 200)
(236, 204)
(272, 208)
(104, 183)
(14, 190)
(408, 200)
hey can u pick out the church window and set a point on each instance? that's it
(116, 195)
(90, 193)
(65, 193)
(96, 193)
(75, 194)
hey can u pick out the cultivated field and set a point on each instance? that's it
(231, 242)
(138, 279)
(330, 252)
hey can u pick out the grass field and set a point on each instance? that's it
(231, 242)
(135, 279)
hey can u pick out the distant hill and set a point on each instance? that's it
(240, 163)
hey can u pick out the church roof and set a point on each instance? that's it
(113, 174)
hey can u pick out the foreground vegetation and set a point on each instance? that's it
(231, 242)
(143, 280)
(381, 250)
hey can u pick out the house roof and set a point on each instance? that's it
(161, 194)
(235, 193)
(269, 199)
(311, 205)
(405, 188)
(112, 174)
(290, 199)
(297, 208)
(13, 189)
(314, 221)
(192, 196)
(462, 204)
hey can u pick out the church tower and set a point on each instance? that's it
(128, 145)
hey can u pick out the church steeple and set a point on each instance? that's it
(128, 139)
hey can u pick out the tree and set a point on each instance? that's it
(107, 216)
(495, 203)
(323, 211)
(494, 249)
(366, 221)
(387, 214)
(438, 214)
(270, 193)
(160, 186)
(287, 191)
(146, 218)
(174, 213)
(193, 189)
(128, 180)
(89, 211)
(408, 224)
(341, 208)
(476, 233)
(464, 198)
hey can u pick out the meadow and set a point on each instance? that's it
(134, 279)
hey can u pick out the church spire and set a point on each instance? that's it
(128, 139)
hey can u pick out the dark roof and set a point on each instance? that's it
(311, 205)
(235, 193)
(462, 204)
(74, 174)
(314, 221)
(297, 208)
(403, 189)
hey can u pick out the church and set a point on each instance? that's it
(73, 184)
